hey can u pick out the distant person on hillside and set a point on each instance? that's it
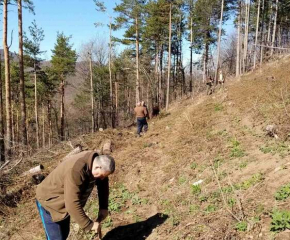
(141, 116)
(210, 85)
(144, 105)
(64, 193)
(221, 78)
(155, 111)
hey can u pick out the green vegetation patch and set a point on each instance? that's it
(241, 226)
(236, 149)
(283, 193)
(256, 178)
(280, 148)
(218, 107)
(195, 189)
(280, 220)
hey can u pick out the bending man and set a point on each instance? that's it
(65, 191)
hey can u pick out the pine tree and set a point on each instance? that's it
(32, 49)
(131, 17)
(63, 62)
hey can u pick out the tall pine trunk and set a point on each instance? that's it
(219, 41)
(21, 77)
(274, 28)
(238, 63)
(92, 94)
(36, 107)
(7, 80)
(43, 126)
(169, 61)
(246, 37)
(110, 74)
(49, 123)
(2, 132)
(62, 122)
(257, 33)
(137, 61)
(191, 55)
(262, 34)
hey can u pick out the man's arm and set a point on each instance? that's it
(103, 193)
(72, 183)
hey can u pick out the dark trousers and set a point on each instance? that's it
(53, 230)
(142, 122)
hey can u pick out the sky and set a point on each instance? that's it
(74, 18)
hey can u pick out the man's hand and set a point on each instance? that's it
(103, 213)
(97, 227)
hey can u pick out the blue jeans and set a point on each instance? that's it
(53, 230)
(141, 122)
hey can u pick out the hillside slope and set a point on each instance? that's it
(217, 140)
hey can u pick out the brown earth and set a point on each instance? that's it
(219, 139)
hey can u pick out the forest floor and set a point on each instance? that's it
(219, 141)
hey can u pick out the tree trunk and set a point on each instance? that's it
(156, 72)
(257, 33)
(191, 55)
(205, 62)
(43, 126)
(21, 76)
(270, 24)
(49, 123)
(245, 55)
(2, 132)
(238, 41)
(274, 28)
(161, 78)
(7, 80)
(36, 107)
(219, 41)
(262, 34)
(169, 61)
(92, 94)
(137, 62)
(62, 123)
(110, 73)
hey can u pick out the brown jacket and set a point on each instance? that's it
(67, 188)
(141, 112)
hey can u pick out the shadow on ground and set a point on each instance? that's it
(136, 231)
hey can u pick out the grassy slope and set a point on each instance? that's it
(219, 139)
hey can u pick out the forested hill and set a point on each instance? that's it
(209, 168)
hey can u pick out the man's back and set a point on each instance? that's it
(140, 112)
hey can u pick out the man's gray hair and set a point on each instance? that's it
(106, 162)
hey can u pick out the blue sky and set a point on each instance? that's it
(73, 17)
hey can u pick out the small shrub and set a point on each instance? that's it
(182, 180)
(243, 165)
(241, 226)
(280, 220)
(256, 178)
(193, 208)
(218, 107)
(193, 165)
(227, 189)
(210, 208)
(232, 202)
(236, 150)
(203, 198)
(195, 189)
(283, 193)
